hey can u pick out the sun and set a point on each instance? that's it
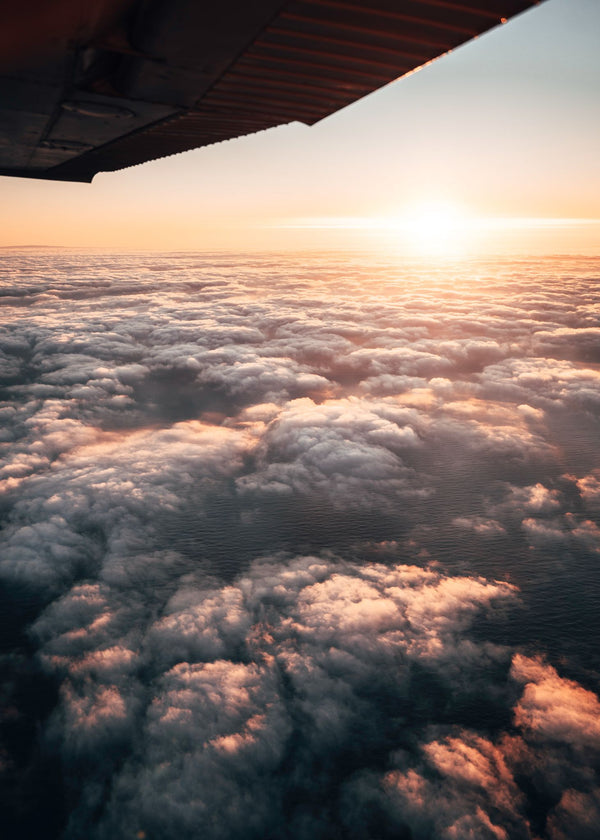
(434, 220)
(435, 228)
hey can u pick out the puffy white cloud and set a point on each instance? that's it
(294, 659)
(102, 496)
(541, 531)
(344, 450)
(589, 488)
(577, 814)
(465, 790)
(466, 785)
(555, 708)
(479, 524)
(535, 498)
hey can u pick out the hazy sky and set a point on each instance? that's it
(506, 126)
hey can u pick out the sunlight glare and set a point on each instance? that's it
(435, 228)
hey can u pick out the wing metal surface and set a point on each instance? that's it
(97, 86)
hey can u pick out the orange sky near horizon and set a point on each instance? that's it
(504, 128)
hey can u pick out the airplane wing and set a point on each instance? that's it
(96, 86)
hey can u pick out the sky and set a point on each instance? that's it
(493, 148)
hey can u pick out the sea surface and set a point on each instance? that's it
(301, 545)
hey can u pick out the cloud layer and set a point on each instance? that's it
(299, 549)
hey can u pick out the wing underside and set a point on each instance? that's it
(99, 86)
